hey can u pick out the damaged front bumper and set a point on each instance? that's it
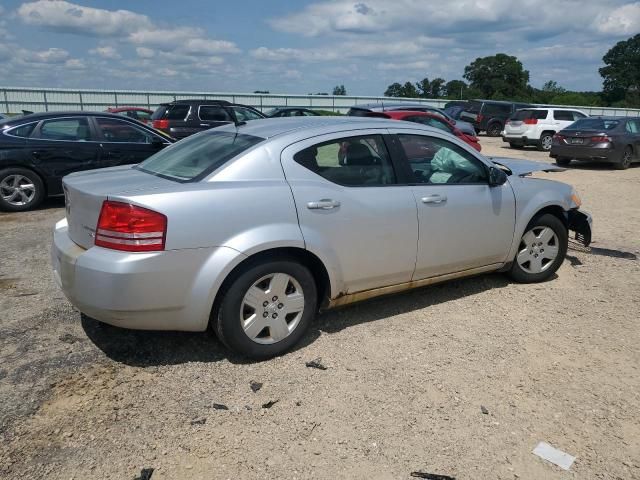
(580, 222)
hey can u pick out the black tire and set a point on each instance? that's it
(625, 159)
(544, 144)
(36, 194)
(518, 273)
(494, 129)
(563, 161)
(227, 321)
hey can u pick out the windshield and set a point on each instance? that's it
(195, 157)
(594, 124)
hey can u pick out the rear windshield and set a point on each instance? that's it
(527, 114)
(358, 112)
(594, 124)
(170, 112)
(195, 157)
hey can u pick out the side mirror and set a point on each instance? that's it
(497, 177)
(157, 142)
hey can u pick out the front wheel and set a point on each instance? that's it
(267, 308)
(20, 190)
(541, 251)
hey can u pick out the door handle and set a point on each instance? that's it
(324, 204)
(434, 199)
(36, 154)
(205, 125)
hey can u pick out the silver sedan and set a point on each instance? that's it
(251, 229)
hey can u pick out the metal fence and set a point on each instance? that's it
(15, 99)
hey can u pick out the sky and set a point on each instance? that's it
(301, 46)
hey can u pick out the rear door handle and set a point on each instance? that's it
(434, 199)
(324, 204)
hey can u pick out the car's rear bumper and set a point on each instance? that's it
(169, 290)
(519, 139)
(598, 154)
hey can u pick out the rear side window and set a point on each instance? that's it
(213, 113)
(595, 124)
(171, 112)
(496, 109)
(246, 114)
(67, 129)
(23, 131)
(563, 115)
(473, 107)
(195, 157)
(527, 114)
(352, 162)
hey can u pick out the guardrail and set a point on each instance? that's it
(16, 99)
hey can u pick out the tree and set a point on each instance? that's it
(339, 90)
(430, 89)
(393, 90)
(407, 90)
(456, 89)
(500, 75)
(622, 71)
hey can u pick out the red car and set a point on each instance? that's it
(137, 113)
(432, 120)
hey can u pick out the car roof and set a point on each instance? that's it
(383, 105)
(192, 101)
(36, 117)
(122, 109)
(414, 113)
(272, 127)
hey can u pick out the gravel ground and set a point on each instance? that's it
(461, 379)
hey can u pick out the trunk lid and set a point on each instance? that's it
(582, 138)
(85, 191)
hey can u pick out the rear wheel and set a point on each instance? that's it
(20, 189)
(494, 129)
(563, 161)
(267, 308)
(546, 139)
(541, 251)
(625, 160)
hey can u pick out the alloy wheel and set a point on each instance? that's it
(17, 190)
(272, 308)
(539, 248)
(546, 142)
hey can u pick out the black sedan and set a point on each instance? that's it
(37, 150)
(606, 139)
(291, 112)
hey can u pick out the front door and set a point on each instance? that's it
(463, 222)
(352, 212)
(124, 143)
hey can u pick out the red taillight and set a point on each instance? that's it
(479, 118)
(130, 228)
(601, 139)
(530, 121)
(161, 124)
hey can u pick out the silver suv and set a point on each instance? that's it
(252, 229)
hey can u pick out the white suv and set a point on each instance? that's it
(536, 126)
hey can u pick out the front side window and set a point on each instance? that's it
(213, 113)
(116, 131)
(633, 126)
(354, 162)
(245, 114)
(437, 161)
(195, 157)
(67, 129)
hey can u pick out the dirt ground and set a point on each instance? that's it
(407, 383)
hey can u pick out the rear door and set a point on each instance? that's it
(353, 210)
(463, 223)
(124, 143)
(633, 130)
(60, 146)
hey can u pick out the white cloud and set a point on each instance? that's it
(49, 56)
(624, 20)
(107, 52)
(75, 64)
(144, 52)
(138, 29)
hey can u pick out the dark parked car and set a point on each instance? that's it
(137, 113)
(490, 115)
(606, 139)
(291, 112)
(363, 110)
(3, 117)
(37, 150)
(182, 118)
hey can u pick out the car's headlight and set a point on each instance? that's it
(576, 201)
